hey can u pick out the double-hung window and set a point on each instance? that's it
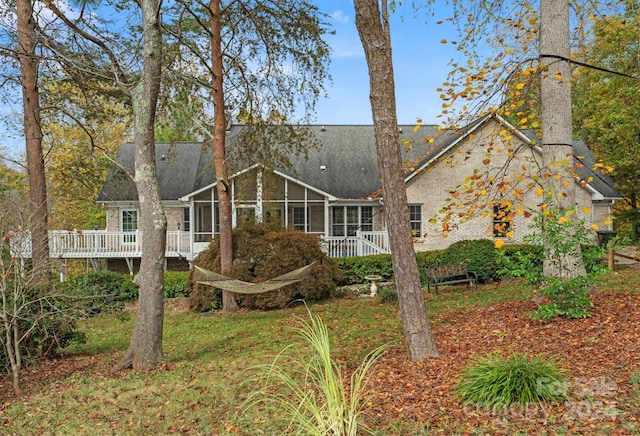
(186, 220)
(347, 220)
(299, 219)
(415, 219)
(501, 221)
(129, 225)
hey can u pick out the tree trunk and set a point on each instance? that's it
(557, 134)
(33, 139)
(145, 349)
(373, 28)
(229, 303)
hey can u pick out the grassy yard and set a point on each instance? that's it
(211, 357)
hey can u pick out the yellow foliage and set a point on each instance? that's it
(76, 168)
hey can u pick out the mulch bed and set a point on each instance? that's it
(600, 354)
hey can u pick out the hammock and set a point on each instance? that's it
(225, 283)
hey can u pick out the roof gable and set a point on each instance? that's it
(344, 166)
(599, 184)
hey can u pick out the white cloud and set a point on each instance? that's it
(340, 17)
(45, 15)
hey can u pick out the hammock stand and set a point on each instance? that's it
(225, 283)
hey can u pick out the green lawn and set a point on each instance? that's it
(209, 359)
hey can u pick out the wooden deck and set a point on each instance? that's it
(102, 244)
(98, 244)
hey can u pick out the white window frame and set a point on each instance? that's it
(126, 238)
(348, 222)
(416, 223)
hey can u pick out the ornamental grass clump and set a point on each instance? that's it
(308, 392)
(496, 381)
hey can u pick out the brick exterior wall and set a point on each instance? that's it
(113, 219)
(174, 217)
(484, 153)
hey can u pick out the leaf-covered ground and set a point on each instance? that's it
(601, 354)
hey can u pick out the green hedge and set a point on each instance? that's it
(102, 291)
(105, 291)
(176, 284)
(479, 255)
(353, 270)
(520, 261)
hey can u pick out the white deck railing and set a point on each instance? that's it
(100, 244)
(362, 244)
(69, 244)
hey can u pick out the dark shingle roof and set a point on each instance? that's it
(585, 167)
(348, 156)
(182, 168)
(345, 165)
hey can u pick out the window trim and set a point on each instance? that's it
(500, 218)
(350, 227)
(300, 226)
(416, 232)
(128, 238)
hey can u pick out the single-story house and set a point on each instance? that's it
(459, 183)
(335, 190)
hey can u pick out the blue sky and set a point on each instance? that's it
(421, 65)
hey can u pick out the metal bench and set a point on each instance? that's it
(449, 275)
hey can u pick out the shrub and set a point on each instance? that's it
(496, 381)
(563, 239)
(353, 270)
(387, 296)
(309, 393)
(426, 259)
(592, 256)
(479, 255)
(568, 298)
(176, 284)
(45, 322)
(261, 253)
(520, 261)
(102, 291)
